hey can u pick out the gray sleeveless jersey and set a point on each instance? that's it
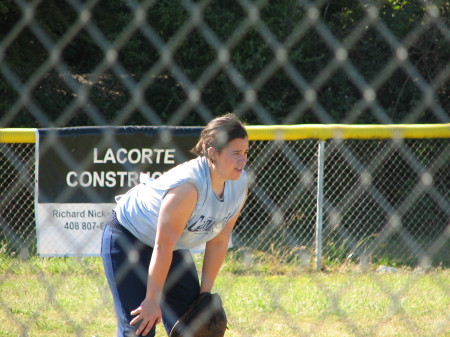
(138, 209)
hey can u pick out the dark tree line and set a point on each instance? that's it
(108, 87)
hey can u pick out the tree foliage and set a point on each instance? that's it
(85, 69)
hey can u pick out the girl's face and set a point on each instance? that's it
(230, 161)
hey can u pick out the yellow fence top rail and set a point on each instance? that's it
(295, 132)
(17, 135)
(346, 131)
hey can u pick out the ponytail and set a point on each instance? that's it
(218, 133)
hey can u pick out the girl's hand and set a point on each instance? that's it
(149, 313)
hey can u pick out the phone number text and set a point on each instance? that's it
(86, 226)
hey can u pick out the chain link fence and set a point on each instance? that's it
(368, 184)
(17, 165)
(384, 201)
(379, 202)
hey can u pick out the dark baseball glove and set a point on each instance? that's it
(205, 317)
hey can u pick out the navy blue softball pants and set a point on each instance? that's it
(126, 261)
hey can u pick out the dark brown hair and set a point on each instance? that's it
(218, 133)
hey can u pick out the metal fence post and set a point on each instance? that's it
(319, 216)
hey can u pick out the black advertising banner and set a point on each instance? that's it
(81, 170)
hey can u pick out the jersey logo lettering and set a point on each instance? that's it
(204, 224)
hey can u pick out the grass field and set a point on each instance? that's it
(69, 297)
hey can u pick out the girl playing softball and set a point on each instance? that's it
(145, 247)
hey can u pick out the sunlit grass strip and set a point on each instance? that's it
(62, 297)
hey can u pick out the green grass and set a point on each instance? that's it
(69, 297)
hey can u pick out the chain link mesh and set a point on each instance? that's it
(280, 213)
(402, 184)
(385, 202)
(17, 199)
